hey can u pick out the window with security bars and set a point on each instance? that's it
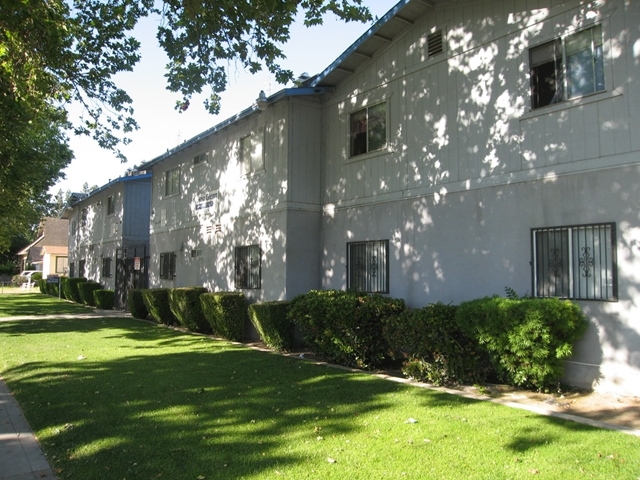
(368, 266)
(106, 267)
(168, 265)
(577, 262)
(247, 264)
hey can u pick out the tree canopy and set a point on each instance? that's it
(55, 53)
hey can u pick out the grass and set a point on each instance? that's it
(118, 398)
(18, 304)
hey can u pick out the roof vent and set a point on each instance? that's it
(435, 44)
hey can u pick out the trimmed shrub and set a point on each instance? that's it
(52, 288)
(63, 287)
(185, 305)
(225, 312)
(86, 289)
(433, 347)
(272, 323)
(345, 327)
(42, 285)
(70, 289)
(157, 302)
(136, 304)
(527, 339)
(104, 299)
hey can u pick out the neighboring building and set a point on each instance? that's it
(454, 150)
(109, 234)
(48, 253)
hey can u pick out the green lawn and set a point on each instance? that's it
(14, 303)
(118, 398)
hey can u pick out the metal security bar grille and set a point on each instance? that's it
(168, 265)
(247, 264)
(576, 262)
(368, 266)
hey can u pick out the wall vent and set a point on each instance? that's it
(435, 43)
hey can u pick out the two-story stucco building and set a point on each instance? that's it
(455, 149)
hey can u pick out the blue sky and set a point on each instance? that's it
(309, 50)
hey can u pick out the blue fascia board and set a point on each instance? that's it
(366, 36)
(287, 92)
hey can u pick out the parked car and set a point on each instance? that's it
(26, 278)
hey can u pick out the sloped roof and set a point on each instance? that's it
(55, 232)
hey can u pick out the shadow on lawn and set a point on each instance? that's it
(216, 410)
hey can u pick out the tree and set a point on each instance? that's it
(56, 53)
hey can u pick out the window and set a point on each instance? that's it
(196, 253)
(567, 68)
(251, 156)
(247, 262)
(81, 265)
(61, 264)
(201, 158)
(106, 267)
(83, 217)
(111, 205)
(168, 265)
(368, 130)
(576, 262)
(74, 227)
(71, 269)
(172, 182)
(368, 267)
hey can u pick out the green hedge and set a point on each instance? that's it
(345, 327)
(86, 289)
(272, 323)
(70, 289)
(433, 348)
(527, 339)
(104, 299)
(157, 302)
(136, 304)
(185, 305)
(225, 312)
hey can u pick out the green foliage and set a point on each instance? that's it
(104, 299)
(527, 339)
(185, 305)
(58, 53)
(157, 302)
(136, 304)
(70, 289)
(42, 285)
(225, 312)
(345, 327)
(53, 289)
(435, 349)
(86, 289)
(272, 323)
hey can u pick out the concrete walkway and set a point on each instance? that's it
(21, 457)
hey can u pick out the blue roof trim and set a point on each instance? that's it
(126, 178)
(287, 92)
(366, 36)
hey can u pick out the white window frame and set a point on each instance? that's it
(111, 205)
(251, 152)
(172, 182)
(356, 151)
(562, 62)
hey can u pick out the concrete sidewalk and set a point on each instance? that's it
(21, 457)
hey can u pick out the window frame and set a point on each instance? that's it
(368, 270)
(65, 262)
(248, 270)
(111, 205)
(355, 153)
(167, 265)
(249, 165)
(562, 67)
(568, 266)
(106, 267)
(172, 182)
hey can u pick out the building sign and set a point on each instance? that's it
(136, 263)
(206, 201)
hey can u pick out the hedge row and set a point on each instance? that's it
(79, 290)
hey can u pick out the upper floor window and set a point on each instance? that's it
(111, 205)
(172, 182)
(251, 154)
(200, 158)
(576, 262)
(74, 227)
(567, 67)
(83, 217)
(168, 265)
(247, 263)
(368, 130)
(368, 267)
